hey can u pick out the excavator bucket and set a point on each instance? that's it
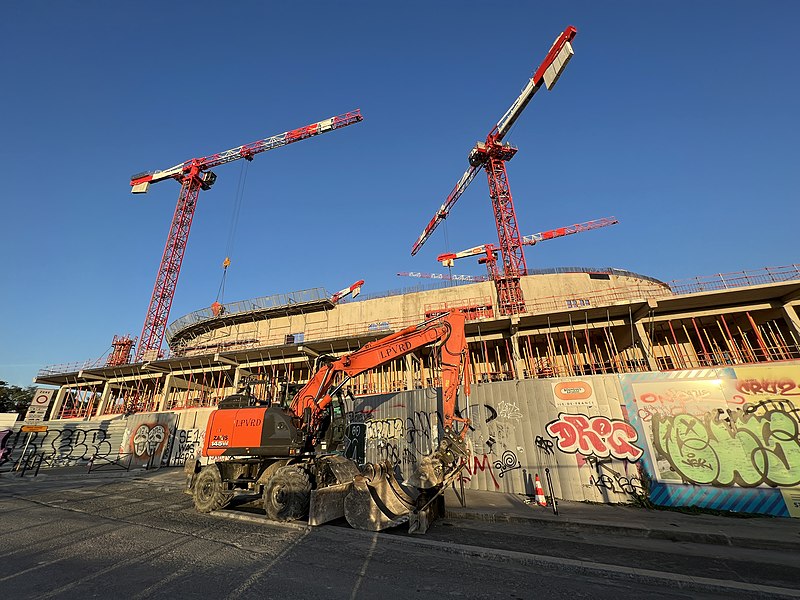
(327, 502)
(378, 500)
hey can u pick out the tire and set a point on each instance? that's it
(208, 492)
(287, 494)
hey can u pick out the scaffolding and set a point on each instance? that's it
(615, 330)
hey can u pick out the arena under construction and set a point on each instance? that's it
(622, 387)
(578, 322)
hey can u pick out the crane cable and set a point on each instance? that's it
(237, 208)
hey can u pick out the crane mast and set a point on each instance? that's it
(195, 175)
(491, 156)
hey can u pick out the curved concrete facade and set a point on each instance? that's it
(322, 320)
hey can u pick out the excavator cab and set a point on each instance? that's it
(332, 427)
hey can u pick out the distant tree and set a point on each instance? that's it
(14, 398)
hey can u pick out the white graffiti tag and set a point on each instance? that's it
(509, 410)
(146, 440)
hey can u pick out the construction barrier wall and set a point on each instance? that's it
(141, 440)
(718, 438)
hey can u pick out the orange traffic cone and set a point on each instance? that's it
(540, 499)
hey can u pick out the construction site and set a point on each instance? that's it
(626, 388)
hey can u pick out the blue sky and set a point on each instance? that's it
(679, 118)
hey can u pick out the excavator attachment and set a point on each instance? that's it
(327, 502)
(378, 500)
(434, 469)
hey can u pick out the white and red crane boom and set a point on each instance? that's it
(528, 240)
(141, 181)
(547, 73)
(195, 175)
(443, 276)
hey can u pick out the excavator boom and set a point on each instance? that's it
(447, 330)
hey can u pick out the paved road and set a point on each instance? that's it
(141, 538)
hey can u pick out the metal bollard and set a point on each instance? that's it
(550, 490)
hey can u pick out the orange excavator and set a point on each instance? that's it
(291, 453)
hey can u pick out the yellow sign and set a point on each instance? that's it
(33, 428)
(792, 498)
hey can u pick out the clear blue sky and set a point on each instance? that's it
(679, 118)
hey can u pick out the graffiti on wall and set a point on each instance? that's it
(355, 442)
(146, 436)
(595, 436)
(472, 465)
(745, 448)
(5, 450)
(607, 478)
(733, 427)
(185, 444)
(61, 447)
(544, 445)
(727, 436)
(508, 462)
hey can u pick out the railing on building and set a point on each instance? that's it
(604, 297)
(726, 281)
(72, 367)
(247, 306)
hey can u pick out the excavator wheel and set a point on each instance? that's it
(287, 494)
(208, 492)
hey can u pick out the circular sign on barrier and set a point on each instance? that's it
(42, 398)
(573, 390)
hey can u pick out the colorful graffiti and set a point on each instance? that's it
(145, 438)
(719, 438)
(595, 436)
(723, 449)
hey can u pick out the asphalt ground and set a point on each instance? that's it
(717, 554)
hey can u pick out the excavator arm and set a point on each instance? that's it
(446, 331)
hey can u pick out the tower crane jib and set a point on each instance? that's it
(491, 156)
(195, 175)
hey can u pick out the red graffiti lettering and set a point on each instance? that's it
(780, 387)
(481, 465)
(595, 436)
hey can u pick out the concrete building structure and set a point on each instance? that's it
(623, 388)
(577, 322)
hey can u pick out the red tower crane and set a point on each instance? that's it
(195, 175)
(492, 155)
(489, 251)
